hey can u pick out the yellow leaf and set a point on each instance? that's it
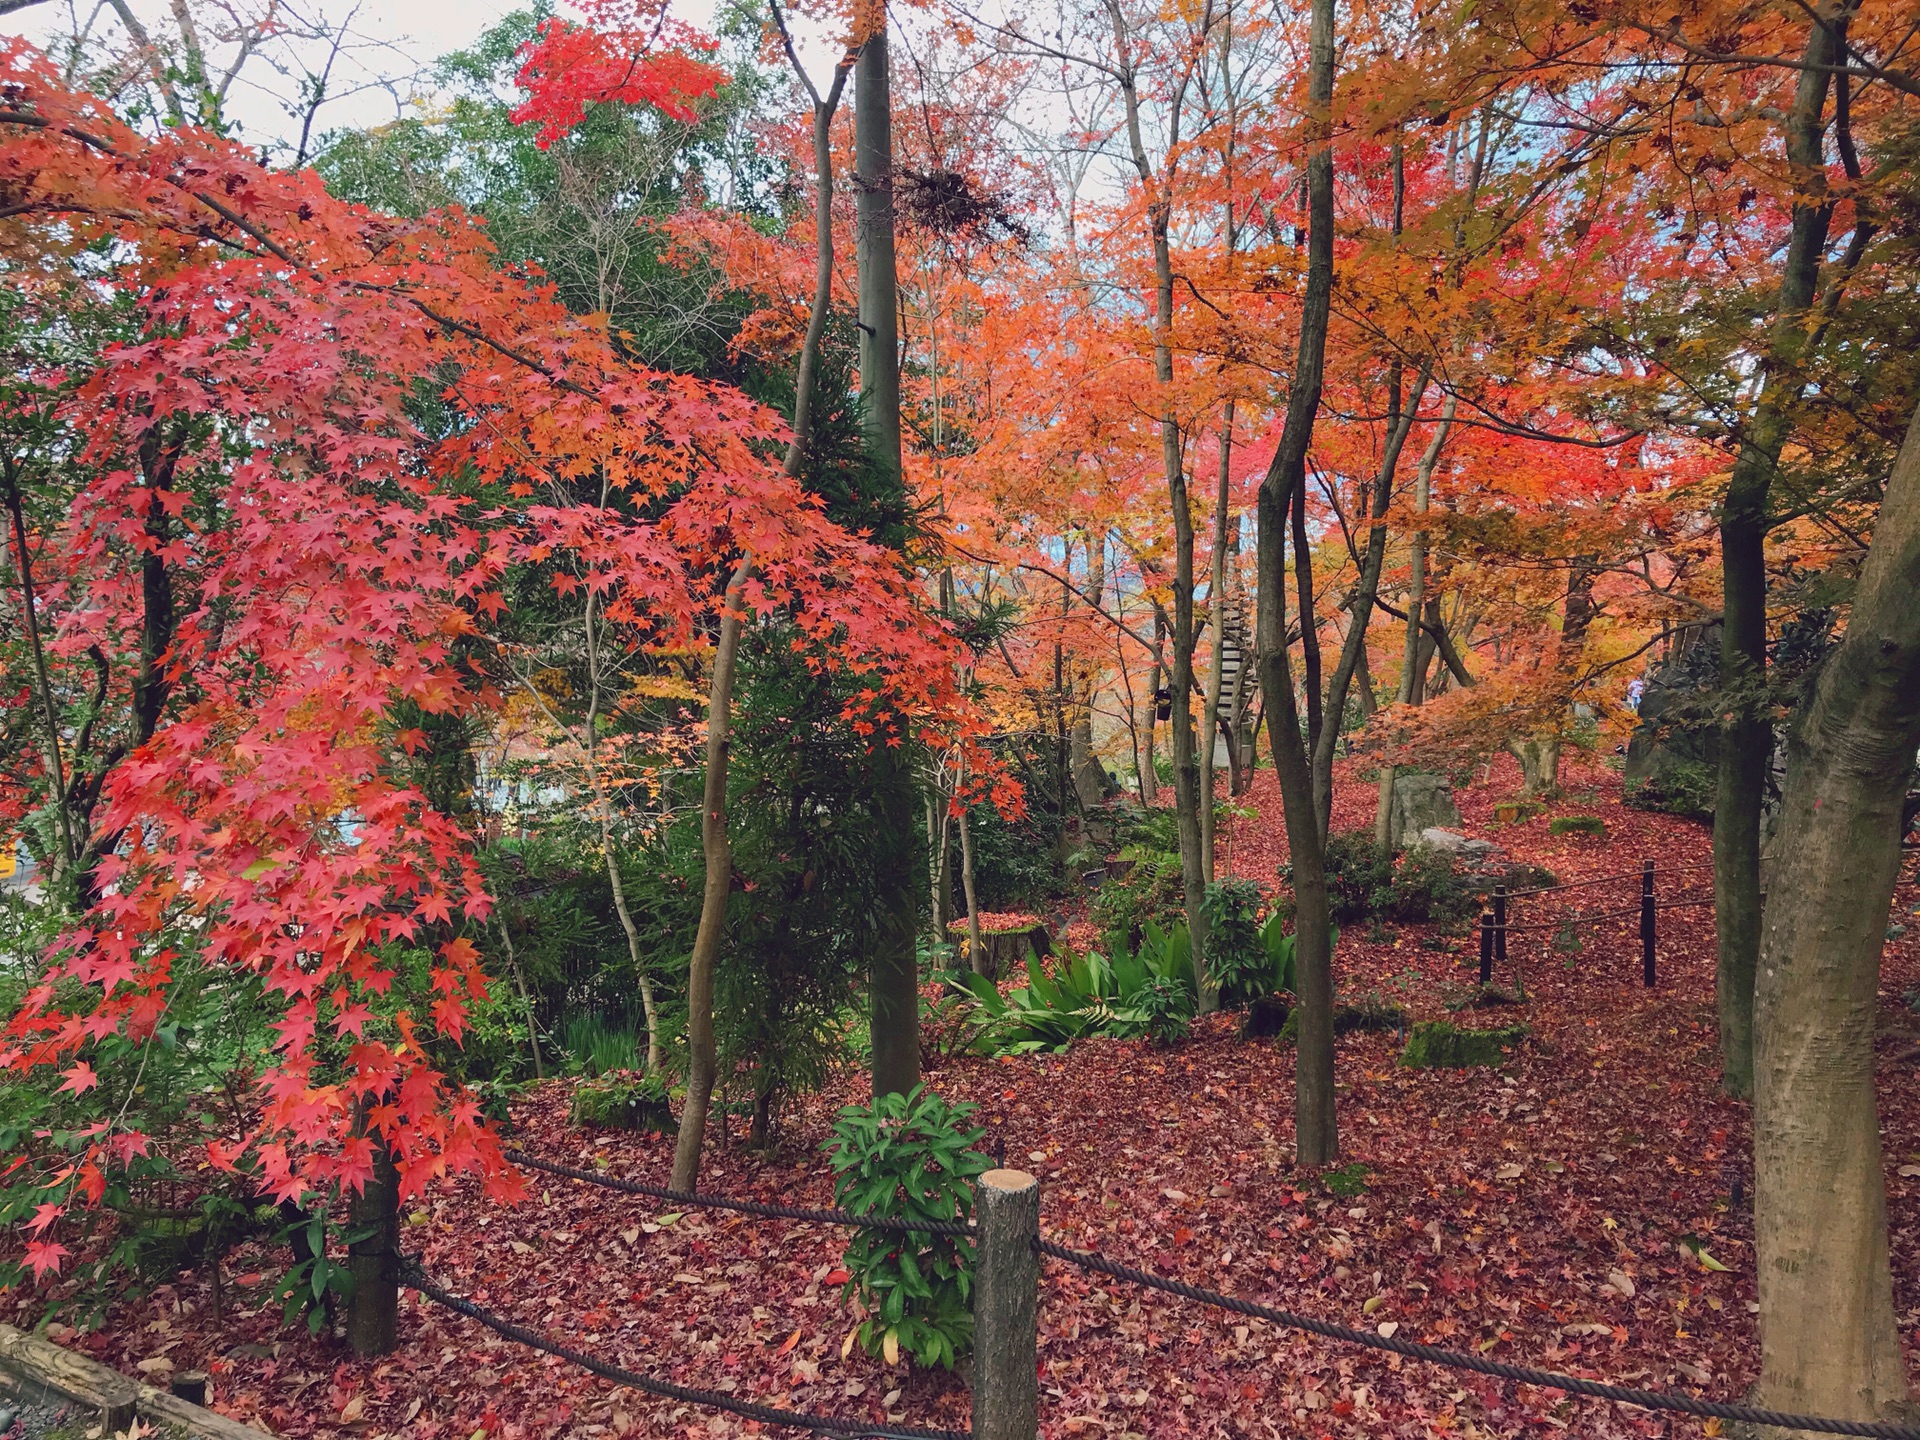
(846, 1345)
(890, 1348)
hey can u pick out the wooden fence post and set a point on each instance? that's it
(1006, 1299)
(1486, 947)
(1500, 926)
(1647, 923)
(373, 1314)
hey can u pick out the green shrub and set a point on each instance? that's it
(1359, 877)
(1681, 787)
(1428, 885)
(908, 1157)
(1237, 957)
(624, 1101)
(1576, 825)
(1150, 892)
(1168, 1008)
(1441, 1045)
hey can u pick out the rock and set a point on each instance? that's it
(1266, 1017)
(1420, 802)
(1452, 842)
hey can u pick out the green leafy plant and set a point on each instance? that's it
(1168, 1007)
(909, 1157)
(597, 1048)
(1349, 1182)
(1236, 952)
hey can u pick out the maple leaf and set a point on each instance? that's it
(44, 1257)
(79, 1079)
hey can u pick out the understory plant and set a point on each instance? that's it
(909, 1157)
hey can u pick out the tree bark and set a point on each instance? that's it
(1746, 735)
(1316, 1134)
(1217, 608)
(1186, 762)
(1412, 667)
(702, 1054)
(893, 973)
(1829, 1342)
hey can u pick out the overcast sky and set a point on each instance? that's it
(395, 40)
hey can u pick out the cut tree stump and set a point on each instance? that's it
(40, 1370)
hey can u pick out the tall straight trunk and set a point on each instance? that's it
(1829, 1342)
(1217, 607)
(893, 975)
(716, 846)
(702, 1054)
(1411, 664)
(976, 954)
(1186, 762)
(1746, 734)
(1150, 776)
(1316, 1134)
(1089, 779)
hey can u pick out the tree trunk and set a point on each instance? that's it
(976, 957)
(1746, 734)
(1217, 607)
(1539, 766)
(373, 1315)
(1186, 764)
(1829, 1341)
(1150, 775)
(893, 973)
(1089, 779)
(702, 1057)
(1412, 667)
(1316, 1134)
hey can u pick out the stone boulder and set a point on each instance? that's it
(1452, 842)
(1420, 803)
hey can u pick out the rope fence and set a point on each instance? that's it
(1495, 926)
(1666, 1400)
(1005, 1384)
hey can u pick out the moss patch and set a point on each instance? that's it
(1577, 825)
(1440, 1045)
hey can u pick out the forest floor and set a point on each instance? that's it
(1549, 1212)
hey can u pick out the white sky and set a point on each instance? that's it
(398, 38)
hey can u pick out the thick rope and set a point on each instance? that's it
(1479, 1364)
(412, 1276)
(745, 1207)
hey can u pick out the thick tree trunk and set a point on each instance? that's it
(702, 1055)
(1150, 775)
(1829, 1342)
(893, 974)
(1316, 1134)
(1539, 767)
(1746, 735)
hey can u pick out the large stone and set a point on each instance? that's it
(1420, 802)
(1452, 842)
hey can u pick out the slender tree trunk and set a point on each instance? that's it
(894, 979)
(1150, 775)
(1089, 779)
(1746, 734)
(1186, 765)
(702, 1054)
(43, 680)
(1411, 665)
(526, 1000)
(1829, 1340)
(976, 956)
(1217, 605)
(1360, 603)
(1316, 1133)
